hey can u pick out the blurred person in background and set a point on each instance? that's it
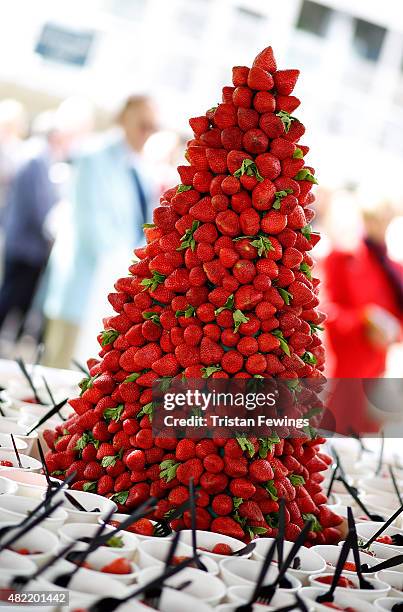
(112, 196)
(365, 292)
(31, 195)
(13, 128)
(364, 289)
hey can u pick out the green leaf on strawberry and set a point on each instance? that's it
(87, 383)
(168, 469)
(272, 519)
(58, 472)
(152, 316)
(237, 501)
(132, 377)
(263, 245)
(315, 525)
(271, 489)
(266, 445)
(305, 175)
(305, 269)
(149, 225)
(120, 497)
(286, 119)
(147, 409)
(90, 487)
(279, 195)
(307, 231)
(283, 342)
(249, 168)
(246, 445)
(115, 542)
(108, 336)
(113, 414)
(253, 531)
(86, 438)
(309, 357)
(286, 295)
(239, 519)
(298, 154)
(187, 240)
(189, 312)
(313, 412)
(164, 383)
(109, 460)
(153, 282)
(296, 480)
(182, 188)
(209, 370)
(314, 327)
(238, 318)
(229, 304)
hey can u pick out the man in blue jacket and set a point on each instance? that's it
(112, 197)
(30, 197)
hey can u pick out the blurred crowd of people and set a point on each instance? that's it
(72, 205)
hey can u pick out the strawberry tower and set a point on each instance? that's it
(223, 288)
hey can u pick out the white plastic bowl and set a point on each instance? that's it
(7, 487)
(309, 595)
(120, 517)
(8, 427)
(394, 580)
(30, 484)
(387, 603)
(42, 542)
(89, 501)
(104, 556)
(154, 552)
(15, 508)
(72, 531)
(242, 594)
(204, 587)
(14, 564)
(27, 462)
(330, 555)
(381, 589)
(366, 530)
(7, 444)
(87, 581)
(311, 562)
(208, 539)
(244, 571)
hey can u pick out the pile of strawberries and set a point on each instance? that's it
(223, 288)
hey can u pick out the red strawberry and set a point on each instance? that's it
(222, 504)
(260, 79)
(263, 195)
(210, 352)
(248, 119)
(240, 75)
(264, 102)
(217, 160)
(260, 470)
(242, 96)
(225, 116)
(273, 222)
(231, 138)
(285, 81)
(199, 124)
(255, 141)
(265, 59)
(272, 125)
(287, 103)
(192, 468)
(251, 511)
(227, 526)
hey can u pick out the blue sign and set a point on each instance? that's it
(64, 45)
